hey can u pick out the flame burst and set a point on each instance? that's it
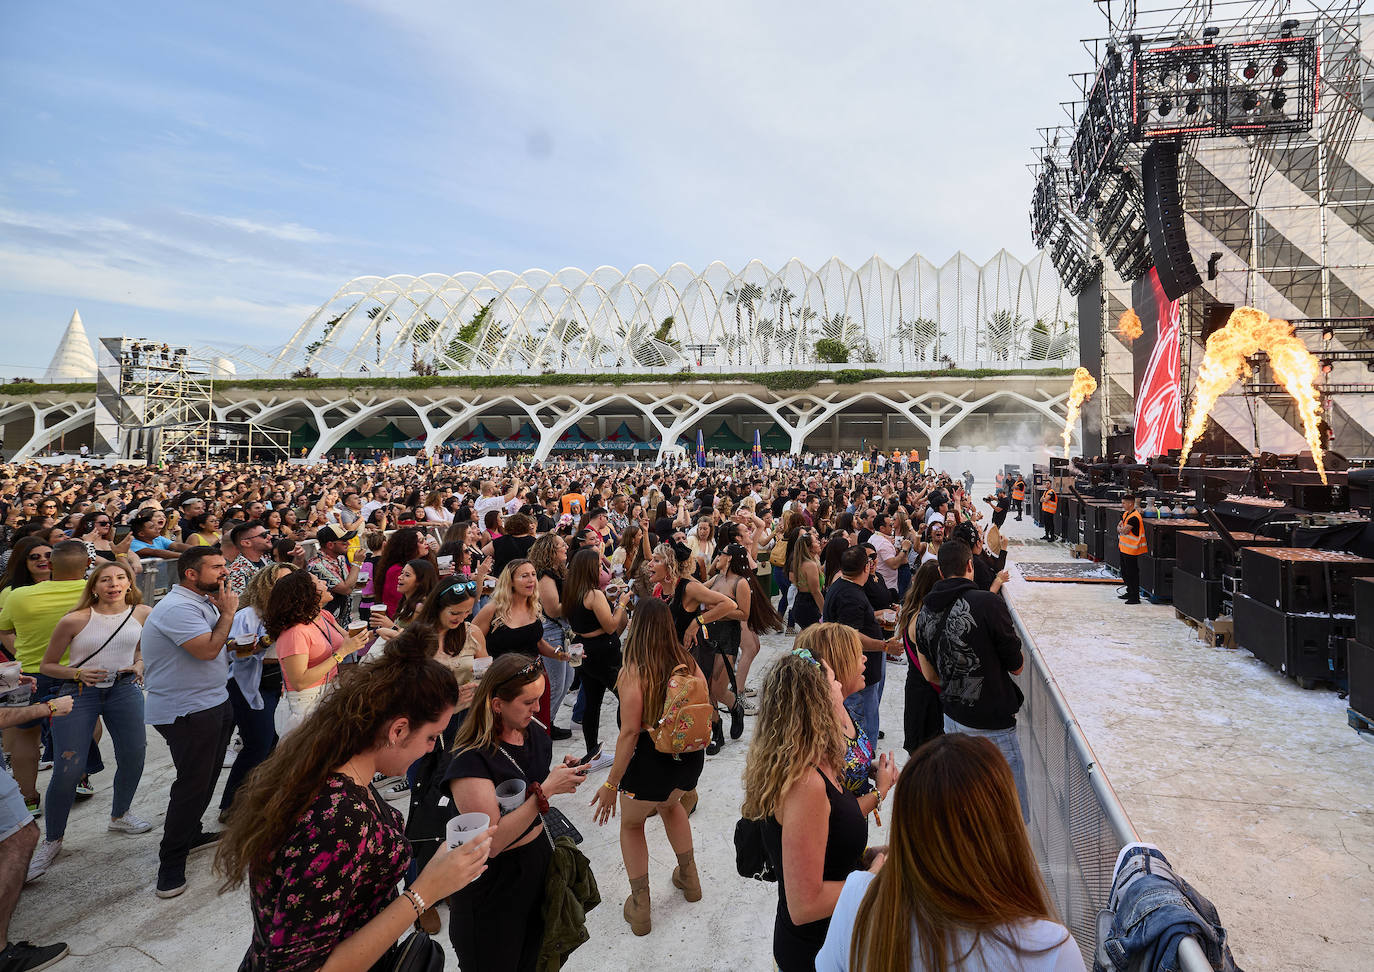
(1128, 326)
(1248, 331)
(1084, 385)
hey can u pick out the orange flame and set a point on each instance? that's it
(1084, 385)
(1247, 332)
(1128, 326)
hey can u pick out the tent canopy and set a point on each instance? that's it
(724, 440)
(622, 439)
(775, 440)
(384, 439)
(523, 438)
(574, 438)
(478, 435)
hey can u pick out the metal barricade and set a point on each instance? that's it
(1077, 824)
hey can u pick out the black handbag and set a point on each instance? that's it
(751, 860)
(417, 953)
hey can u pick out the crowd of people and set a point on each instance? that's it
(351, 638)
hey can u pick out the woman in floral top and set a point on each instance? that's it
(837, 647)
(322, 854)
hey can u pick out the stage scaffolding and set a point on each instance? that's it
(152, 401)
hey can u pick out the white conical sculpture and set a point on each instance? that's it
(73, 360)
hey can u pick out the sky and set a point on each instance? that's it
(203, 173)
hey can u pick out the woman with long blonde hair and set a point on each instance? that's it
(647, 780)
(813, 830)
(100, 637)
(960, 887)
(513, 621)
(496, 922)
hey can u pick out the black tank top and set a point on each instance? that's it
(504, 639)
(581, 619)
(795, 946)
(682, 618)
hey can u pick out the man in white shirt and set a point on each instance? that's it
(490, 501)
(381, 496)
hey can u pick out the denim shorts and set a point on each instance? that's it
(14, 815)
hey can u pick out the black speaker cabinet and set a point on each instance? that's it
(1215, 318)
(1164, 220)
(1359, 669)
(1197, 598)
(1160, 535)
(1157, 576)
(1201, 552)
(1306, 647)
(1363, 591)
(1302, 581)
(1316, 498)
(1111, 553)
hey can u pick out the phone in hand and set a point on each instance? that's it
(120, 533)
(588, 758)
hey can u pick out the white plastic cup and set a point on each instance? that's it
(356, 627)
(9, 674)
(466, 826)
(578, 654)
(108, 681)
(480, 666)
(510, 795)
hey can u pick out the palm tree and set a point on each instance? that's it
(1000, 334)
(745, 297)
(1051, 340)
(918, 334)
(801, 338)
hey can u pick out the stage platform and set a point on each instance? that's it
(1257, 790)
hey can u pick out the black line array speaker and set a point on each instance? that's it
(1164, 219)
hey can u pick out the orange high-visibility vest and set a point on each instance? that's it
(1018, 492)
(1132, 543)
(1049, 502)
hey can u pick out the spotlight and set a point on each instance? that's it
(1166, 105)
(1278, 99)
(1288, 27)
(1251, 71)
(1193, 74)
(1328, 334)
(1280, 68)
(1250, 102)
(1210, 32)
(1327, 365)
(1193, 106)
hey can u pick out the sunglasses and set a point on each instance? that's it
(459, 587)
(529, 669)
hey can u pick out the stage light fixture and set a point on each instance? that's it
(1328, 334)
(1166, 105)
(1250, 102)
(1278, 99)
(1193, 106)
(1326, 366)
(1251, 71)
(1280, 68)
(1288, 27)
(1369, 366)
(1193, 74)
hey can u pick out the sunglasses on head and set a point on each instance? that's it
(529, 669)
(460, 587)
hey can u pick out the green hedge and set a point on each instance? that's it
(775, 380)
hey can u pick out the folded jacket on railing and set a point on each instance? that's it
(1151, 910)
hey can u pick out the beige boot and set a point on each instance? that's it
(689, 801)
(637, 906)
(685, 877)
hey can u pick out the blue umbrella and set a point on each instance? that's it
(701, 449)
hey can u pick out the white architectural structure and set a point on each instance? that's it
(608, 320)
(73, 360)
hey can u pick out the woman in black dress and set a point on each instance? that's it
(647, 780)
(596, 626)
(804, 573)
(512, 622)
(814, 832)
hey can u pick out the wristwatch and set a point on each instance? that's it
(338, 659)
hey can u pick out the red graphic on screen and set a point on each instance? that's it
(1158, 415)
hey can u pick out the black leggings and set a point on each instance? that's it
(495, 923)
(599, 671)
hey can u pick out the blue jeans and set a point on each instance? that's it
(559, 672)
(863, 705)
(257, 728)
(121, 706)
(784, 585)
(1005, 740)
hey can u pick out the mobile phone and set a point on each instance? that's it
(121, 532)
(588, 758)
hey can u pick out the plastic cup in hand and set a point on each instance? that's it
(356, 627)
(480, 666)
(245, 645)
(108, 681)
(9, 674)
(466, 826)
(510, 795)
(578, 653)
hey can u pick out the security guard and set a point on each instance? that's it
(1049, 502)
(1130, 541)
(1018, 494)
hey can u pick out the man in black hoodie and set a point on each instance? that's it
(969, 637)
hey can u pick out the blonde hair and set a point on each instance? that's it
(666, 553)
(796, 730)
(260, 586)
(132, 596)
(503, 598)
(837, 645)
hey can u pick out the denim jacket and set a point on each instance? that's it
(1152, 910)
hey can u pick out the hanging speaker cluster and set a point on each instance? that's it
(1164, 220)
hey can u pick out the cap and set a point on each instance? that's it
(333, 531)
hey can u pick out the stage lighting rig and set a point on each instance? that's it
(1096, 144)
(1045, 202)
(1121, 225)
(1190, 76)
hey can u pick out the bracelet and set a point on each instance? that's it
(338, 659)
(611, 786)
(52, 708)
(416, 902)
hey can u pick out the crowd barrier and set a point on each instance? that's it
(1077, 824)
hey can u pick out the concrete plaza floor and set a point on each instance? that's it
(1255, 789)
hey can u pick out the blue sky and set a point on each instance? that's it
(202, 172)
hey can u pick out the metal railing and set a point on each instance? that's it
(1077, 824)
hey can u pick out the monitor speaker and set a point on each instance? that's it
(1164, 219)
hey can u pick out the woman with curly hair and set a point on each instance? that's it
(403, 546)
(310, 644)
(647, 780)
(321, 853)
(960, 887)
(814, 832)
(416, 581)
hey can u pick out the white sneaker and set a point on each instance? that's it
(42, 859)
(44, 764)
(601, 761)
(130, 824)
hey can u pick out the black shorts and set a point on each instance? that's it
(653, 776)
